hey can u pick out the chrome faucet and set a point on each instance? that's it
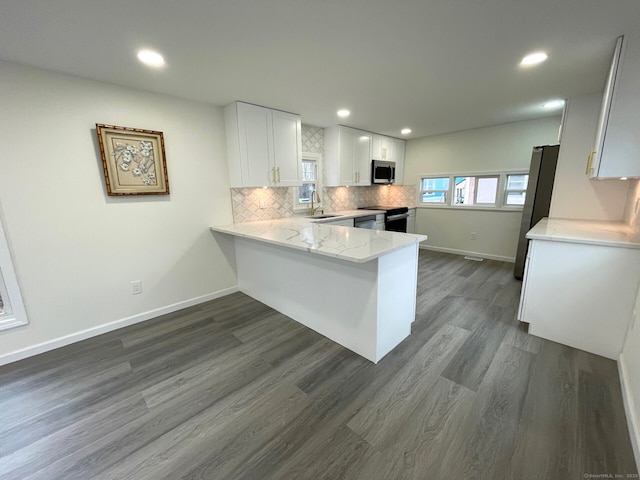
(314, 193)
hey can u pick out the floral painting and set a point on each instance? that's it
(133, 160)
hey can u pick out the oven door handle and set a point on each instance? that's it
(400, 216)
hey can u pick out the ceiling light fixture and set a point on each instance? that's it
(344, 113)
(534, 58)
(553, 104)
(151, 58)
(623, 178)
(405, 131)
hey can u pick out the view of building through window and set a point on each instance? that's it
(487, 190)
(476, 190)
(435, 190)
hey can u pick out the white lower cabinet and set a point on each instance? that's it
(411, 221)
(581, 295)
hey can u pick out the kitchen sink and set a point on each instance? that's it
(321, 216)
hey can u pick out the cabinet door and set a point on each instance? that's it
(605, 110)
(362, 158)
(398, 157)
(256, 151)
(347, 149)
(287, 149)
(617, 146)
(411, 221)
(382, 147)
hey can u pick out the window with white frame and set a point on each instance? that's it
(5, 306)
(311, 168)
(476, 190)
(434, 190)
(516, 189)
(12, 311)
(488, 190)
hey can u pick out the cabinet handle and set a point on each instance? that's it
(589, 161)
(278, 170)
(273, 174)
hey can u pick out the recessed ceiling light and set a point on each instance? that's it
(534, 58)
(553, 104)
(150, 58)
(344, 113)
(405, 131)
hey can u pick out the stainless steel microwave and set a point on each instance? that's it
(383, 171)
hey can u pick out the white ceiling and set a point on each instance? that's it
(435, 66)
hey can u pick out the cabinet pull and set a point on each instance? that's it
(589, 160)
(273, 174)
(278, 170)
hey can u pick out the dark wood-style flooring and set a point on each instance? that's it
(232, 389)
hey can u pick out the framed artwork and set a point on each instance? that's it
(133, 160)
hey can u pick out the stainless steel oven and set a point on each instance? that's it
(395, 218)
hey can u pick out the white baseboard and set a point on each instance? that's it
(488, 256)
(108, 327)
(630, 410)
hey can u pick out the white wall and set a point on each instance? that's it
(75, 249)
(574, 195)
(501, 147)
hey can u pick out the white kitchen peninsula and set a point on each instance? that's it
(354, 286)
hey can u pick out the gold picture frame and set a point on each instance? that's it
(133, 160)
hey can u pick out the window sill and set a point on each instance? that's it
(11, 322)
(469, 207)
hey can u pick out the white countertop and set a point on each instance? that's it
(613, 234)
(352, 244)
(343, 214)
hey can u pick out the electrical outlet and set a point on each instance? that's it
(136, 287)
(263, 204)
(473, 235)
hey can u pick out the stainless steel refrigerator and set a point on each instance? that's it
(537, 202)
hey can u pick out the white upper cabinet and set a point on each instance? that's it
(382, 148)
(347, 156)
(617, 146)
(287, 148)
(392, 150)
(398, 157)
(264, 146)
